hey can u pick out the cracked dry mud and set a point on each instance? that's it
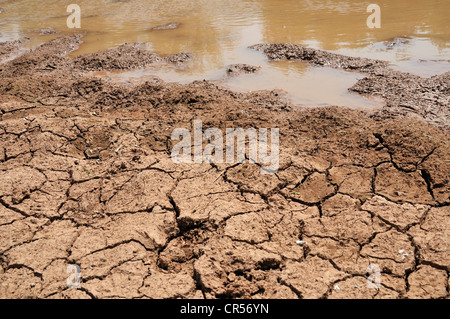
(86, 178)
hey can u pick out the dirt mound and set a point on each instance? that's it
(87, 179)
(410, 95)
(291, 51)
(126, 56)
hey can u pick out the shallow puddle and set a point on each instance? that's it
(218, 33)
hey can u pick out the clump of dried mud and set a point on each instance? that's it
(237, 69)
(87, 179)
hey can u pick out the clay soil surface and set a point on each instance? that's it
(86, 178)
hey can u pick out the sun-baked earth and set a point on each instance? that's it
(86, 178)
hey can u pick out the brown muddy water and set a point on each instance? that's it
(218, 33)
